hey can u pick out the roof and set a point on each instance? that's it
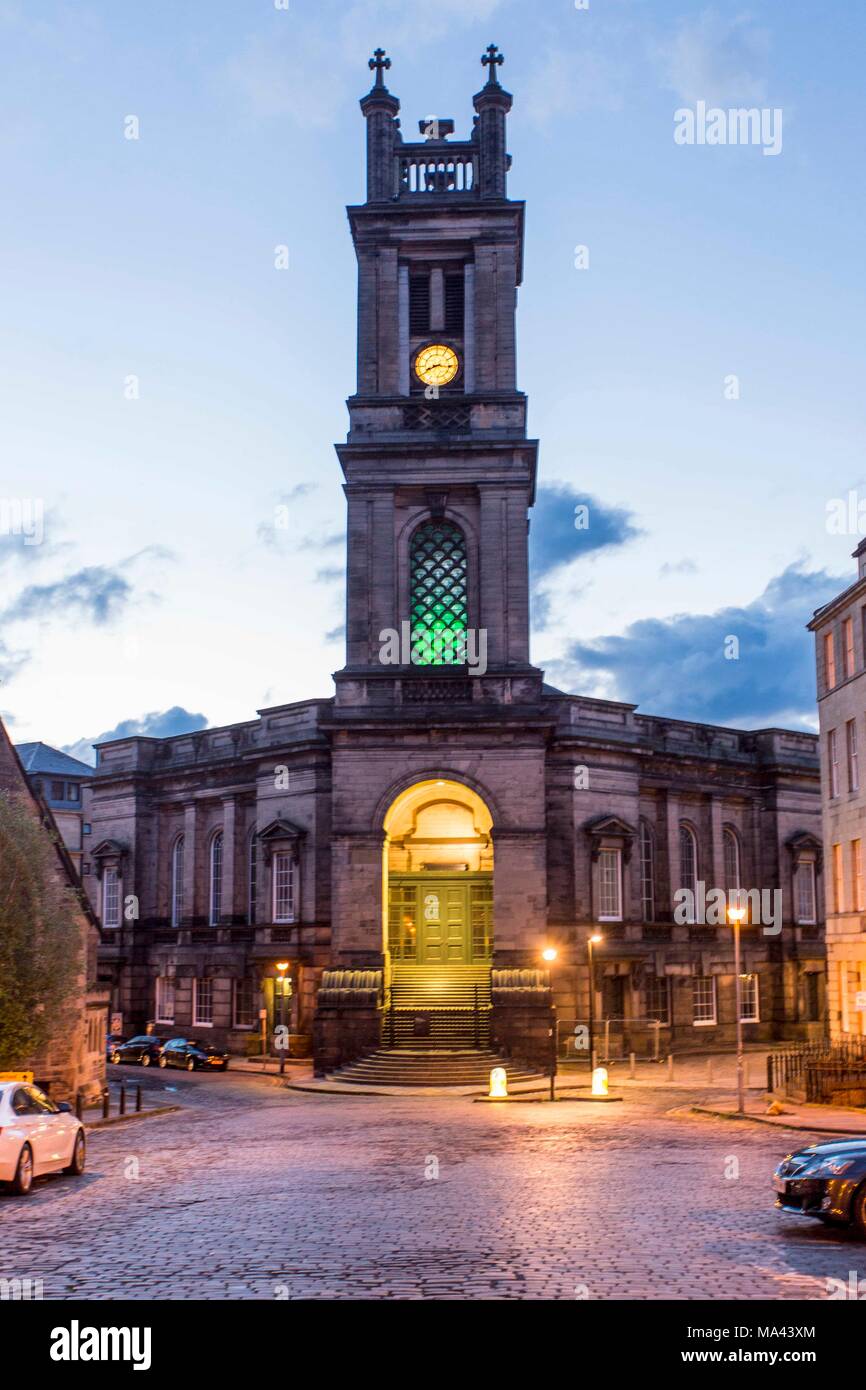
(39, 757)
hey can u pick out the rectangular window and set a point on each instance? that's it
(844, 998)
(848, 646)
(750, 1011)
(610, 885)
(838, 880)
(58, 791)
(164, 1007)
(647, 874)
(704, 1001)
(829, 661)
(833, 761)
(244, 1007)
(853, 756)
(813, 998)
(110, 898)
(73, 791)
(805, 893)
(202, 1002)
(284, 887)
(658, 999)
(857, 875)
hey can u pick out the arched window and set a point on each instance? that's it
(731, 845)
(647, 872)
(216, 878)
(689, 866)
(177, 882)
(252, 878)
(437, 586)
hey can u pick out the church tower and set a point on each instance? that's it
(439, 472)
(438, 729)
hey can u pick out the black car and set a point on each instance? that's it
(181, 1052)
(825, 1181)
(145, 1049)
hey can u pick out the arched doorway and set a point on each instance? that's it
(438, 927)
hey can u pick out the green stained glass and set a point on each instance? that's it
(438, 595)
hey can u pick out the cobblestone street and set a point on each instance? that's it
(251, 1191)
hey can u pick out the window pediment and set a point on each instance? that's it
(611, 832)
(280, 834)
(109, 854)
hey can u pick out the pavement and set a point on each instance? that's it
(250, 1190)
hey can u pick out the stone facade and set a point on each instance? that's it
(73, 1063)
(840, 640)
(584, 810)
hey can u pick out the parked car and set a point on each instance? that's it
(112, 1041)
(181, 1052)
(36, 1137)
(145, 1049)
(825, 1181)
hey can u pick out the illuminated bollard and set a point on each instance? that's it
(599, 1081)
(498, 1084)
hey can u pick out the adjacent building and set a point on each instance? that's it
(391, 861)
(74, 1061)
(61, 782)
(840, 641)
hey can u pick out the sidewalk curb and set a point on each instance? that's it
(91, 1125)
(775, 1122)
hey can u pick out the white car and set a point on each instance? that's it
(36, 1137)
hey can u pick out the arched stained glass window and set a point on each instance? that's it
(437, 567)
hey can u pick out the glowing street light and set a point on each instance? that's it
(549, 954)
(498, 1084)
(599, 1081)
(736, 917)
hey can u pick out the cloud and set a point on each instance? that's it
(97, 593)
(11, 663)
(677, 567)
(558, 535)
(287, 529)
(334, 47)
(718, 58)
(158, 724)
(677, 667)
(563, 81)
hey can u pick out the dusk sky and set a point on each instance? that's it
(163, 596)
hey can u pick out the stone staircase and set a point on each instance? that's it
(428, 1067)
(438, 1007)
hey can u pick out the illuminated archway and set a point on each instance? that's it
(438, 876)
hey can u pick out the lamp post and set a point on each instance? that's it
(595, 940)
(282, 967)
(735, 916)
(549, 955)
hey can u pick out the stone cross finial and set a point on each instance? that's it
(380, 64)
(493, 59)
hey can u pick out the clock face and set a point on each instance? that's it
(437, 365)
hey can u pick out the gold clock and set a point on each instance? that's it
(437, 365)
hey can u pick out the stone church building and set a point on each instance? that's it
(388, 864)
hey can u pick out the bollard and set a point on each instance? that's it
(632, 1067)
(670, 1066)
(123, 1098)
(106, 1104)
(137, 1099)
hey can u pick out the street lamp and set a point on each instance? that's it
(736, 915)
(549, 955)
(282, 966)
(595, 940)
